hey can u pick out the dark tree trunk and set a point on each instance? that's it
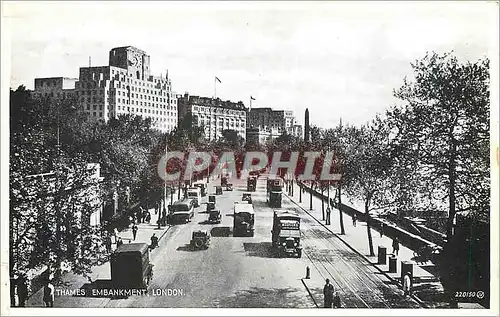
(368, 229)
(452, 178)
(341, 215)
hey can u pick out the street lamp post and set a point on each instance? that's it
(322, 202)
(300, 193)
(311, 198)
(165, 184)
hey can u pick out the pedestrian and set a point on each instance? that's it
(328, 291)
(22, 290)
(154, 241)
(328, 213)
(354, 219)
(395, 246)
(139, 214)
(119, 242)
(48, 294)
(337, 303)
(407, 284)
(148, 217)
(382, 228)
(134, 231)
(108, 243)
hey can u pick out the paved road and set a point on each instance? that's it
(242, 272)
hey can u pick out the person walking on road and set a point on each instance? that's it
(354, 219)
(108, 243)
(407, 284)
(328, 291)
(48, 294)
(328, 213)
(395, 246)
(134, 231)
(119, 242)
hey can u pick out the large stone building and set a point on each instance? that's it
(55, 87)
(214, 115)
(267, 119)
(124, 87)
(261, 136)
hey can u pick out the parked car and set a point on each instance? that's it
(200, 239)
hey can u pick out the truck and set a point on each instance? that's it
(194, 193)
(130, 266)
(181, 211)
(286, 233)
(203, 188)
(274, 192)
(251, 183)
(243, 220)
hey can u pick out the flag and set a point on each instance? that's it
(218, 79)
(252, 98)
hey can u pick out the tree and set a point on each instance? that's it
(232, 139)
(442, 135)
(369, 167)
(444, 129)
(334, 140)
(50, 211)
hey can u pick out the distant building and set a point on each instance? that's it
(124, 87)
(297, 131)
(55, 87)
(267, 119)
(260, 136)
(214, 115)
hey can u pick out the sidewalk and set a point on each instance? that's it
(426, 285)
(144, 231)
(72, 281)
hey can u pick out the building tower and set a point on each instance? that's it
(306, 126)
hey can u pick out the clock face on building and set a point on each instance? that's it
(135, 60)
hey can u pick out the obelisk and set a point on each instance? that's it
(306, 126)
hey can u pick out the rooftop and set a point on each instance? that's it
(211, 102)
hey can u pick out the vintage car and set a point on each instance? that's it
(130, 266)
(210, 206)
(215, 216)
(200, 239)
(211, 199)
(247, 197)
(202, 187)
(218, 190)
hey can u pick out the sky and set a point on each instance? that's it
(339, 59)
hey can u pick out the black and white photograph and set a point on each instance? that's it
(220, 157)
